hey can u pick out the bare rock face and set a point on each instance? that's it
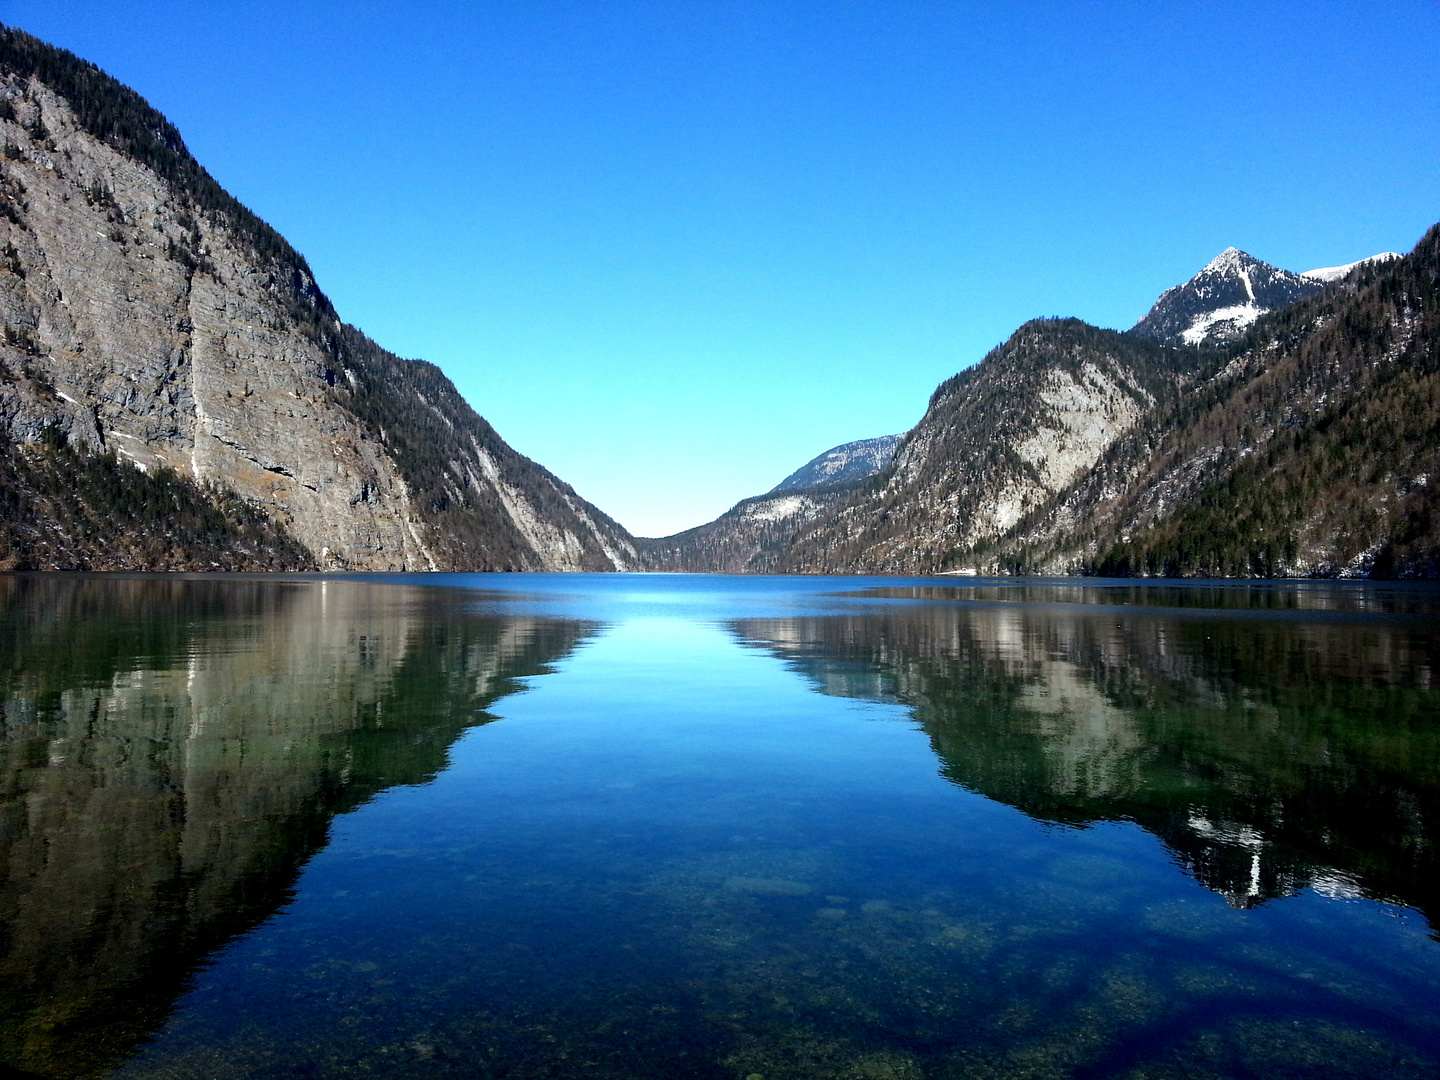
(166, 324)
(997, 443)
(172, 367)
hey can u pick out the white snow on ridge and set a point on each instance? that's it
(1335, 273)
(778, 509)
(1242, 315)
(1232, 258)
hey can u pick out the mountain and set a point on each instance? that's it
(1311, 446)
(997, 442)
(1306, 444)
(842, 464)
(754, 534)
(176, 392)
(1222, 300)
(752, 537)
(1316, 450)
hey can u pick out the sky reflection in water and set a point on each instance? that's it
(722, 827)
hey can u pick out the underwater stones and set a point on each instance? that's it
(756, 886)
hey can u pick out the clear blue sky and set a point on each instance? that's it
(672, 250)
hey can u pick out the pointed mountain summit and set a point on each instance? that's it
(1220, 302)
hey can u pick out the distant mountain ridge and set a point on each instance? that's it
(1328, 274)
(842, 464)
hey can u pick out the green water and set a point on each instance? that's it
(652, 826)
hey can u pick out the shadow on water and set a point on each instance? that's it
(173, 751)
(1268, 754)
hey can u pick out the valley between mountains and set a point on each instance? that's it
(177, 393)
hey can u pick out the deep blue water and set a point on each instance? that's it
(659, 826)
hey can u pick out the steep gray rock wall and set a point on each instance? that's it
(150, 315)
(129, 348)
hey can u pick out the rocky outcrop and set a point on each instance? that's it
(998, 441)
(149, 315)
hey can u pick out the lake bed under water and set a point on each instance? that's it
(674, 826)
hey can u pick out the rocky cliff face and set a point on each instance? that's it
(997, 442)
(150, 316)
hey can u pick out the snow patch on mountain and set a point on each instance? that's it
(777, 509)
(1220, 302)
(1335, 273)
(1231, 319)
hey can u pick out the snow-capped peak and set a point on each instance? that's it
(1220, 302)
(1231, 259)
(1335, 273)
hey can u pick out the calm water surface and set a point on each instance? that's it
(649, 826)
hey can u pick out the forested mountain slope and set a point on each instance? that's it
(753, 536)
(842, 464)
(1316, 450)
(151, 318)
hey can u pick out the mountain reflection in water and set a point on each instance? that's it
(737, 827)
(1268, 755)
(172, 751)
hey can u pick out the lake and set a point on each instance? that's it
(683, 826)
